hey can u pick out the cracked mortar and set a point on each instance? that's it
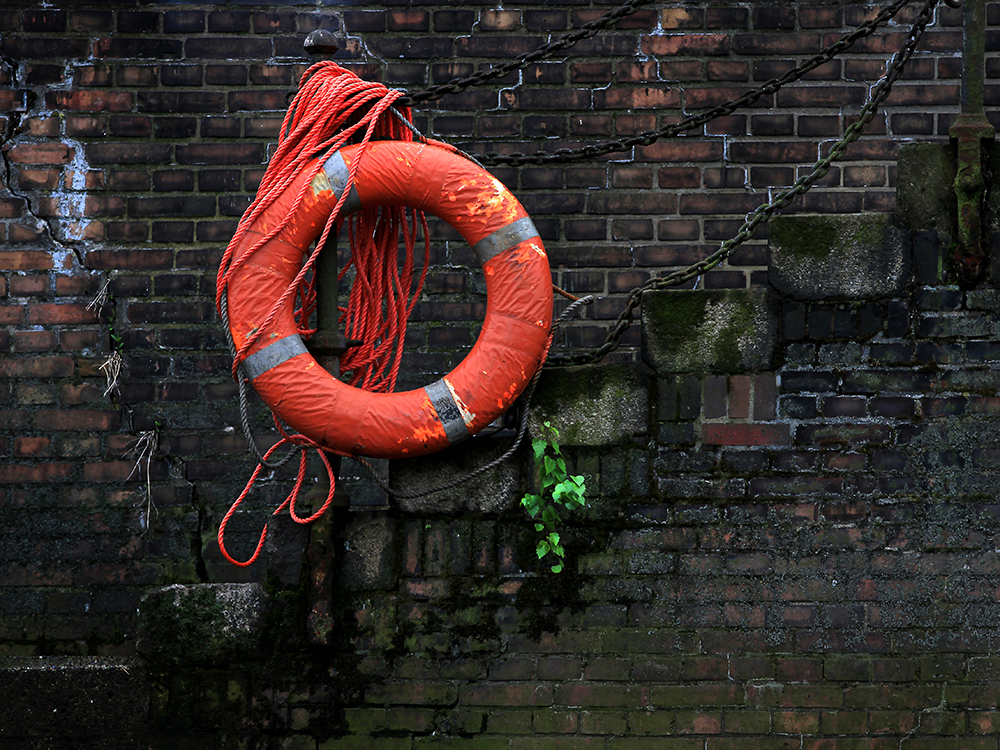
(70, 202)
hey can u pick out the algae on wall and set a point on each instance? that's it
(725, 330)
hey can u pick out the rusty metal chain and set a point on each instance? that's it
(693, 122)
(457, 85)
(879, 92)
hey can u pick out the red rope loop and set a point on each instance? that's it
(289, 501)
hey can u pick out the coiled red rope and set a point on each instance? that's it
(332, 108)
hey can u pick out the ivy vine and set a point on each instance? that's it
(558, 491)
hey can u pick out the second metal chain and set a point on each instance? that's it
(693, 122)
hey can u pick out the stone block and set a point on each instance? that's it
(202, 624)
(369, 557)
(593, 405)
(723, 330)
(925, 192)
(74, 701)
(489, 492)
(852, 256)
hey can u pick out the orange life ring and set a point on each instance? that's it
(505, 356)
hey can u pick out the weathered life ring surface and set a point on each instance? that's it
(505, 356)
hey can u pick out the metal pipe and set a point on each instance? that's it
(969, 131)
(973, 55)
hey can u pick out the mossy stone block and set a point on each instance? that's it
(202, 624)
(593, 405)
(718, 330)
(852, 256)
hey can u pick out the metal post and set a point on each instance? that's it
(328, 343)
(969, 131)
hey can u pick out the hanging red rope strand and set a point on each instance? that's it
(332, 108)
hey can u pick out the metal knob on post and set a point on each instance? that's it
(321, 43)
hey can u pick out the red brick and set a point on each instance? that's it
(41, 153)
(745, 434)
(590, 72)
(76, 420)
(686, 44)
(24, 260)
(681, 150)
(31, 446)
(419, 20)
(60, 314)
(90, 101)
(11, 314)
(46, 472)
(34, 341)
(637, 98)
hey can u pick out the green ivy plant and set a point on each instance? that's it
(558, 492)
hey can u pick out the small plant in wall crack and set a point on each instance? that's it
(113, 366)
(145, 448)
(558, 492)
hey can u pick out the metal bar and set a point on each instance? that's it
(328, 343)
(973, 56)
(969, 131)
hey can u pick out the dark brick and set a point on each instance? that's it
(228, 21)
(41, 75)
(844, 406)
(183, 21)
(798, 407)
(180, 101)
(820, 382)
(180, 75)
(227, 48)
(143, 48)
(726, 18)
(92, 20)
(33, 48)
(138, 22)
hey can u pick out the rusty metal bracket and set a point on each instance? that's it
(969, 131)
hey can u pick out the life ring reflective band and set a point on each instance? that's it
(506, 354)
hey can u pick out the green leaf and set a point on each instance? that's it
(538, 448)
(557, 568)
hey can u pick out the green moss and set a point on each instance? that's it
(691, 323)
(726, 346)
(805, 236)
(683, 316)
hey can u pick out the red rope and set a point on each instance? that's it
(332, 108)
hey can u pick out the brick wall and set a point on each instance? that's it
(794, 551)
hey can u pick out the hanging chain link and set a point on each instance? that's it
(878, 94)
(457, 85)
(694, 122)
